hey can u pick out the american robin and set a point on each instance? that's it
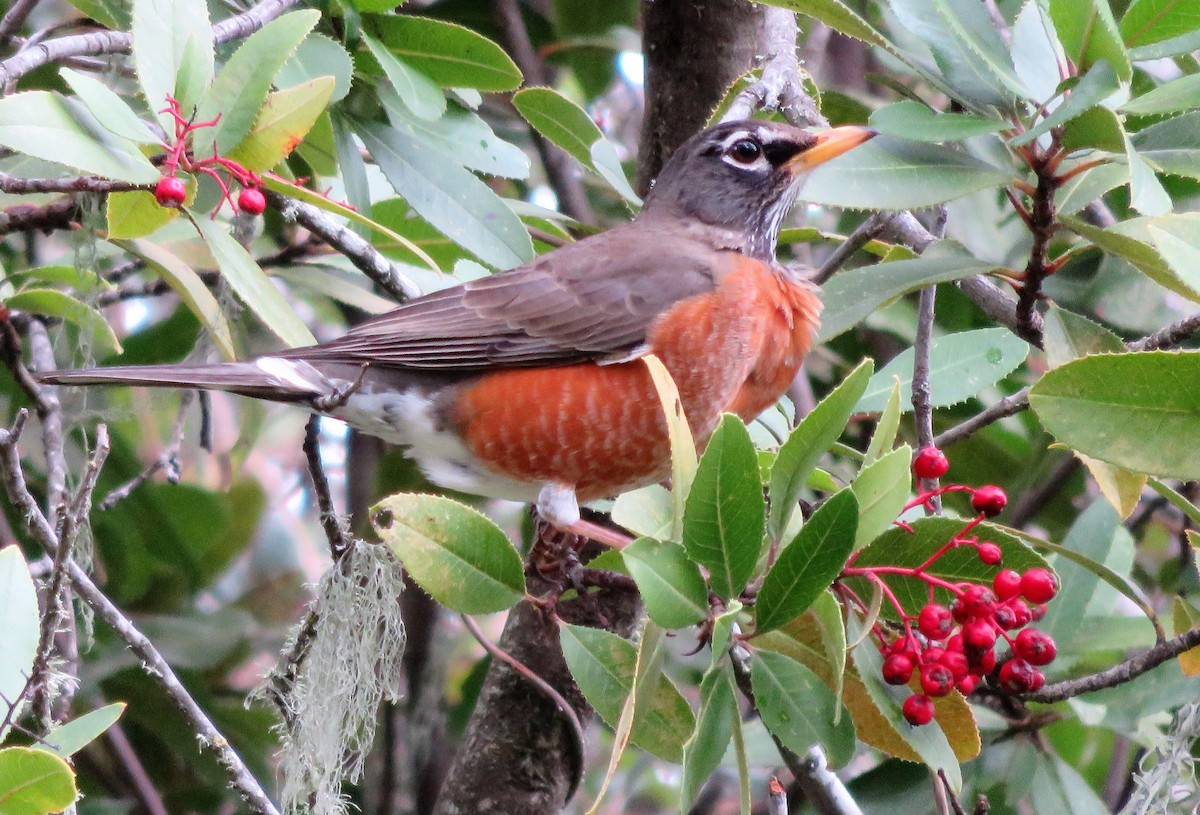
(527, 385)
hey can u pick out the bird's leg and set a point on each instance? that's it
(557, 504)
(341, 394)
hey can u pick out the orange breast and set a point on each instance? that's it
(600, 428)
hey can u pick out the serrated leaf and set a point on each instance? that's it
(240, 89)
(898, 547)
(798, 708)
(1146, 194)
(109, 110)
(283, 122)
(420, 94)
(1173, 47)
(137, 213)
(1177, 95)
(172, 51)
(960, 366)
(1151, 21)
(452, 199)
(852, 295)
(454, 552)
(449, 54)
(670, 583)
(607, 165)
(703, 752)
(882, 490)
(888, 173)
(1139, 411)
(1036, 51)
(679, 435)
(1172, 146)
(190, 288)
(1092, 535)
(1085, 187)
(912, 120)
(886, 428)
(54, 303)
(826, 614)
(83, 280)
(1096, 85)
(603, 667)
(71, 737)
(808, 564)
(723, 518)
(808, 442)
(1134, 241)
(34, 782)
(1068, 336)
(42, 124)
(1122, 488)
(19, 610)
(1185, 617)
(251, 284)
(332, 282)
(647, 511)
(464, 138)
(318, 56)
(1089, 33)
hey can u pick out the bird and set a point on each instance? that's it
(529, 384)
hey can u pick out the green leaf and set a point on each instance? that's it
(887, 427)
(1138, 411)
(1085, 187)
(81, 280)
(40, 124)
(703, 752)
(71, 737)
(190, 288)
(927, 741)
(1170, 97)
(1068, 336)
(960, 366)
(454, 552)
(449, 54)
(420, 94)
(1089, 33)
(109, 13)
(284, 121)
(240, 89)
(670, 583)
(797, 707)
(337, 284)
(252, 284)
(1172, 146)
(852, 295)
(19, 610)
(888, 173)
(607, 165)
(1173, 47)
(110, 110)
(603, 667)
(172, 51)
(1037, 54)
(1095, 86)
(808, 564)
(882, 491)
(723, 518)
(648, 511)
(966, 47)
(137, 213)
(1160, 247)
(34, 782)
(465, 139)
(1092, 535)
(55, 303)
(315, 57)
(452, 199)
(808, 442)
(1146, 194)
(1150, 21)
(826, 613)
(898, 547)
(912, 120)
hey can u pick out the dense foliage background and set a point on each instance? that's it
(1015, 258)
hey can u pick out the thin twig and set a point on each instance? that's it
(866, 232)
(921, 402)
(1007, 406)
(1119, 673)
(62, 214)
(949, 790)
(49, 411)
(1168, 337)
(167, 460)
(15, 185)
(335, 530)
(13, 19)
(143, 787)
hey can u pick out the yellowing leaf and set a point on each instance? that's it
(1186, 617)
(1120, 487)
(285, 120)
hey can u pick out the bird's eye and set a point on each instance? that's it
(745, 151)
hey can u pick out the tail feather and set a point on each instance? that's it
(283, 382)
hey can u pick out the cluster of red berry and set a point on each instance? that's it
(172, 192)
(950, 648)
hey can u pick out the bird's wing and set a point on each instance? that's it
(591, 300)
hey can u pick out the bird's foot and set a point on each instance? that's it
(558, 505)
(340, 395)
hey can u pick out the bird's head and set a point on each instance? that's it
(740, 178)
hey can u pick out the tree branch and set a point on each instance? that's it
(13, 19)
(779, 86)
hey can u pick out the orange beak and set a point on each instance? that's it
(829, 144)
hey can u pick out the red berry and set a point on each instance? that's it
(1017, 676)
(1005, 617)
(990, 553)
(966, 684)
(252, 201)
(1039, 585)
(1007, 584)
(1035, 647)
(936, 680)
(978, 601)
(897, 669)
(981, 661)
(1037, 612)
(959, 612)
(932, 654)
(935, 621)
(918, 710)
(956, 662)
(930, 463)
(1024, 615)
(1036, 680)
(955, 644)
(989, 499)
(979, 634)
(170, 192)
